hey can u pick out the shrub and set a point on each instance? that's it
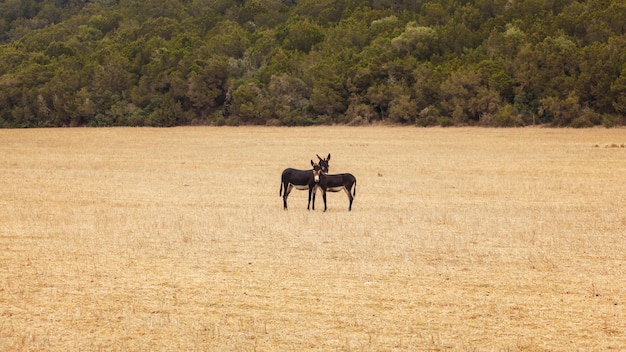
(445, 121)
(508, 116)
(581, 122)
(610, 120)
(428, 117)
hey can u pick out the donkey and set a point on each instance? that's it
(334, 183)
(301, 180)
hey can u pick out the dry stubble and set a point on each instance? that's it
(175, 239)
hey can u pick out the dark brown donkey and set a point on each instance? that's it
(301, 179)
(334, 183)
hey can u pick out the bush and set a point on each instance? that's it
(581, 122)
(273, 122)
(427, 117)
(137, 118)
(102, 120)
(561, 112)
(445, 121)
(610, 120)
(508, 116)
(360, 113)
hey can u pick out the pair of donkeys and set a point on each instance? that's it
(318, 177)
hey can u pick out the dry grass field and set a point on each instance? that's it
(175, 240)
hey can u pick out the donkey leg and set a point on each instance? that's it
(308, 206)
(324, 197)
(350, 197)
(286, 194)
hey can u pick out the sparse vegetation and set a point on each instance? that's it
(175, 239)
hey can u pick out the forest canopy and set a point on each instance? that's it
(305, 62)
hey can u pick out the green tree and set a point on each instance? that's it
(302, 35)
(328, 94)
(459, 93)
(618, 88)
(418, 41)
(227, 38)
(247, 105)
(206, 86)
(289, 99)
(402, 110)
(561, 112)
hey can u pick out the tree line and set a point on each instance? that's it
(306, 62)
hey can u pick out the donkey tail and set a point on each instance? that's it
(354, 190)
(280, 193)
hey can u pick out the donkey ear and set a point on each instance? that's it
(319, 157)
(328, 157)
(312, 163)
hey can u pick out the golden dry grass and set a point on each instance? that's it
(175, 240)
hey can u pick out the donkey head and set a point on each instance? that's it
(317, 170)
(323, 163)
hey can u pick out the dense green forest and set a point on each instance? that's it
(304, 62)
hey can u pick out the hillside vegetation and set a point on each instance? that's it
(304, 62)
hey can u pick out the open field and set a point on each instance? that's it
(175, 240)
